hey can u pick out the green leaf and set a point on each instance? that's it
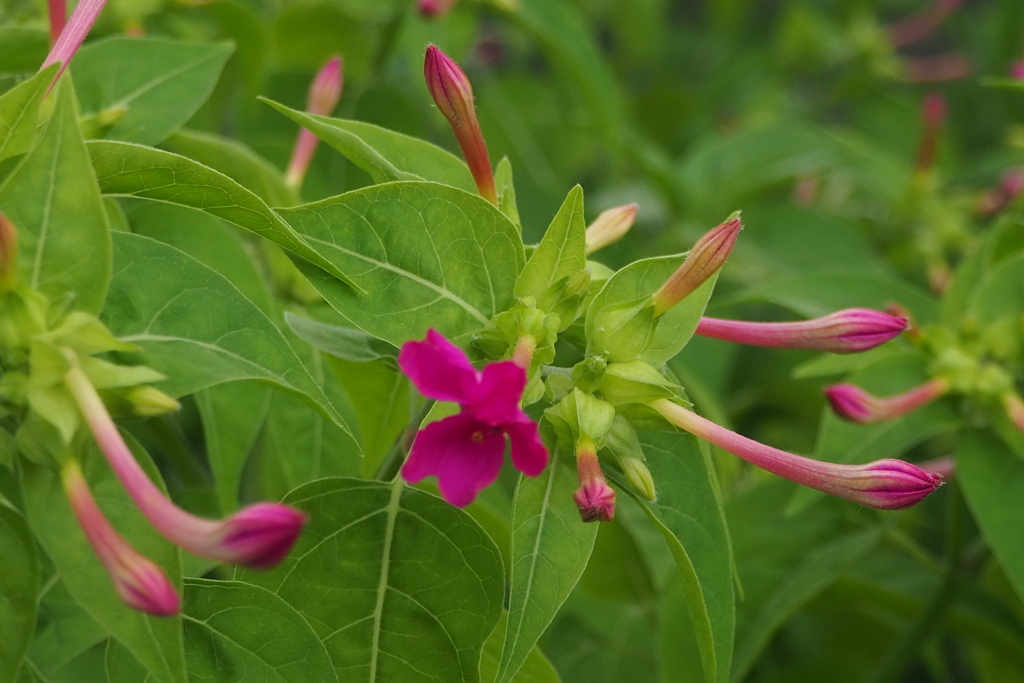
(561, 252)
(154, 641)
(1000, 294)
(689, 515)
(65, 631)
(399, 585)
(384, 154)
(550, 549)
(19, 112)
(992, 479)
(821, 567)
(641, 279)
(22, 48)
(424, 255)
(54, 202)
(19, 590)
(130, 170)
(160, 83)
(343, 342)
(506, 191)
(239, 632)
(196, 328)
(536, 668)
(236, 161)
(233, 416)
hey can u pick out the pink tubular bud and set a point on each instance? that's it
(324, 94)
(434, 9)
(594, 498)
(257, 536)
(853, 403)
(1017, 70)
(947, 67)
(883, 484)
(1014, 407)
(610, 227)
(453, 95)
(851, 330)
(933, 114)
(73, 34)
(140, 583)
(58, 12)
(918, 26)
(706, 257)
(8, 253)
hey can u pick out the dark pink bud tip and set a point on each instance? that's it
(262, 534)
(894, 485)
(145, 587)
(596, 502)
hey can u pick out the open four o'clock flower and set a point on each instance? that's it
(465, 451)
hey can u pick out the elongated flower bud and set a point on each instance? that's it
(708, 255)
(851, 330)
(884, 484)
(638, 476)
(453, 95)
(1017, 70)
(324, 94)
(1014, 406)
(610, 227)
(933, 115)
(853, 403)
(945, 67)
(594, 498)
(73, 34)
(8, 253)
(434, 9)
(257, 536)
(140, 583)
(58, 11)
(920, 25)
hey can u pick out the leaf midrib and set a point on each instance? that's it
(389, 536)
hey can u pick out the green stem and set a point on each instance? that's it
(395, 458)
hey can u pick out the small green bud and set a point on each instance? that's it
(150, 402)
(587, 374)
(638, 477)
(634, 382)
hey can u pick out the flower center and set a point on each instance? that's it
(478, 436)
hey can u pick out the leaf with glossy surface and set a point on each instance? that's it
(237, 632)
(19, 111)
(154, 641)
(424, 255)
(689, 515)
(399, 585)
(561, 252)
(550, 549)
(160, 83)
(126, 169)
(385, 155)
(196, 328)
(19, 589)
(643, 278)
(54, 202)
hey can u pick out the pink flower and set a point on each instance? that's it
(433, 9)
(140, 583)
(594, 498)
(465, 451)
(853, 403)
(850, 330)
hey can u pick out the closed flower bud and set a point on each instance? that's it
(638, 477)
(1014, 407)
(610, 227)
(8, 253)
(150, 402)
(453, 95)
(883, 484)
(433, 9)
(851, 330)
(324, 94)
(260, 535)
(708, 255)
(594, 498)
(853, 403)
(140, 583)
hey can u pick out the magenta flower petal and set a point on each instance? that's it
(261, 534)
(528, 452)
(439, 369)
(464, 453)
(501, 386)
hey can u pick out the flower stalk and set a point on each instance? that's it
(884, 484)
(140, 583)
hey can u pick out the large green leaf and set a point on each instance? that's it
(198, 329)
(126, 169)
(65, 631)
(154, 641)
(19, 111)
(399, 585)
(22, 48)
(239, 632)
(424, 255)
(562, 251)
(536, 668)
(235, 160)
(690, 517)
(160, 83)
(19, 590)
(342, 342)
(54, 202)
(384, 154)
(643, 278)
(1000, 294)
(550, 549)
(992, 479)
